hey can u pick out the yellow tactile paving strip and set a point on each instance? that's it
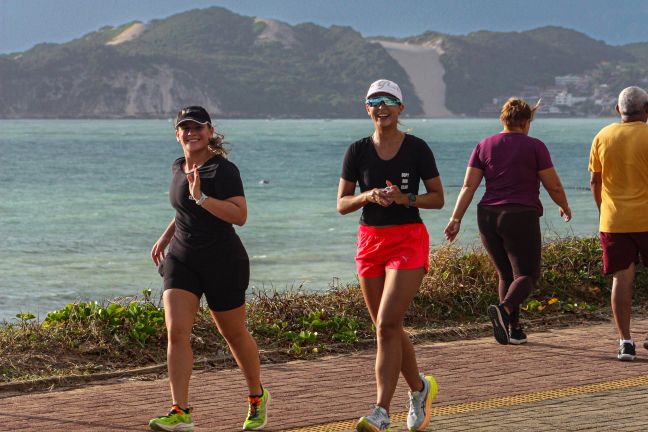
(495, 403)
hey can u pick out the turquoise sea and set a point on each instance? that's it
(83, 201)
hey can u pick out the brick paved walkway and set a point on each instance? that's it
(554, 372)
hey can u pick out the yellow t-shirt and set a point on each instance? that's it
(620, 153)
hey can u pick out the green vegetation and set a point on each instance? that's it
(212, 56)
(485, 64)
(217, 58)
(90, 337)
(638, 50)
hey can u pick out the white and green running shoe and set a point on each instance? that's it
(377, 421)
(257, 416)
(177, 420)
(420, 404)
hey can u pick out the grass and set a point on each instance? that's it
(90, 337)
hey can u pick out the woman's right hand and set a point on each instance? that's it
(452, 230)
(380, 197)
(157, 252)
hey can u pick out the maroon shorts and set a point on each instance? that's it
(622, 249)
(397, 247)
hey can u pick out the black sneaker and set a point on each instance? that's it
(517, 336)
(646, 343)
(500, 320)
(626, 352)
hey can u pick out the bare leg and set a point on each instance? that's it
(232, 326)
(387, 299)
(180, 308)
(622, 300)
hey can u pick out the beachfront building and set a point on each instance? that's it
(564, 98)
(578, 82)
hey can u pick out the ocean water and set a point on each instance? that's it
(83, 201)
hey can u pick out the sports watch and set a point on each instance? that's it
(202, 198)
(411, 199)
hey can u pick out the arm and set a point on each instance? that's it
(596, 183)
(471, 182)
(432, 199)
(157, 252)
(231, 210)
(551, 182)
(347, 202)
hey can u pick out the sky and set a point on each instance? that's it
(25, 23)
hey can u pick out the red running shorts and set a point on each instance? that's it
(399, 247)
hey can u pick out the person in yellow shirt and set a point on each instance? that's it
(618, 165)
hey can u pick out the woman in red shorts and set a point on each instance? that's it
(393, 244)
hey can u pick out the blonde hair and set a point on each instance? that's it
(216, 144)
(515, 112)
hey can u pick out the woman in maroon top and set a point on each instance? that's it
(513, 164)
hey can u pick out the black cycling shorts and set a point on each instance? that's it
(220, 272)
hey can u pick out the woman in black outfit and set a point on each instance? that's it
(207, 257)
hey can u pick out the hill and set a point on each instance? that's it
(240, 66)
(482, 65)
(638, 50)
(230, 63)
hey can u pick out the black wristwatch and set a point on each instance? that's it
(411, 199)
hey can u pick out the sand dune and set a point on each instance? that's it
(276, 31)
(129, 34)
(421, 62)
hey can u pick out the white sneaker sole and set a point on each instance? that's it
(626, 357)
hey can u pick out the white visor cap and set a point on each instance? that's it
(385, 86)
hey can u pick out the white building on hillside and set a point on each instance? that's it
(564, 98)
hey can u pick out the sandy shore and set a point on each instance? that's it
(421, 62)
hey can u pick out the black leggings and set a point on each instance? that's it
(511, 235)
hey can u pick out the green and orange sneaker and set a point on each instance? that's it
(178, 420)
(257, 416)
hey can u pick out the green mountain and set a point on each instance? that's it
(236, 66)
(484, 64)
(239, 66)
(638, 50)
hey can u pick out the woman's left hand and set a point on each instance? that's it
(194, 183)
(395, 195)
(452, 230)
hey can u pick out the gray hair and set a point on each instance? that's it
(632, 101)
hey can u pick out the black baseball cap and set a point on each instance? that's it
(193, 113)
